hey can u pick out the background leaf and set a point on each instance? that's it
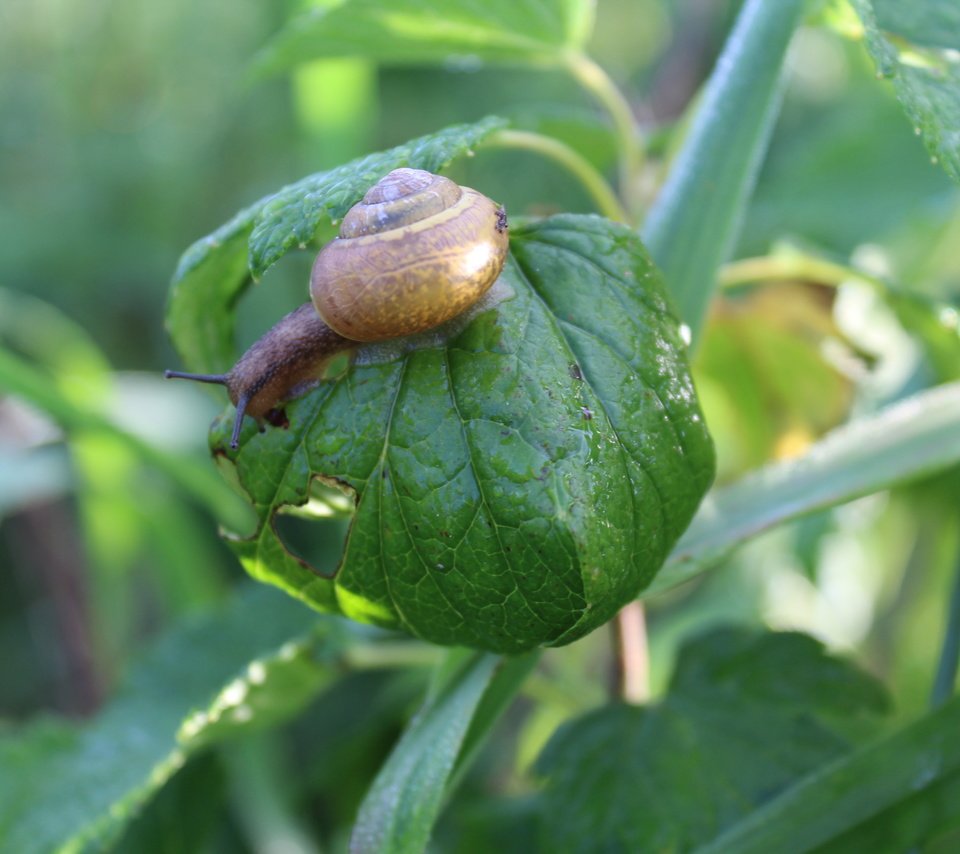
(897, 793)
(917, 45)
(209, 679)
(183, 815)
(828, 183)
(518, 475)
(413, 32)
(745, 715)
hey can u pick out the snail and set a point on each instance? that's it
(415, 252)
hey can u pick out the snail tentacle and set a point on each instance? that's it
(219, 379)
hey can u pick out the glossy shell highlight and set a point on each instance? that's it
(417, 251)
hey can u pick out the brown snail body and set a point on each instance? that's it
(415, 252)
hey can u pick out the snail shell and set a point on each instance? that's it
(415, 252)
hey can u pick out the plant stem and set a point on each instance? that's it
(596, 81)
(793, 265)
(399, 654)
(633, 656)
(593, 182)
(950, 652)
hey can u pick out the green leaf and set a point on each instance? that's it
(183, 815)
(932, 23)
(515, 32)
(500, 693)
(827, 180)
(745, 715)
(402, 805)
(214, 271)
(915, 437)
(694, 224)
(927, 820)
(518, 475)
(894, 795)
(70, 786)
(917, 46)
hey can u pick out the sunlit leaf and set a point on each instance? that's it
(766, 385)
(26, 381)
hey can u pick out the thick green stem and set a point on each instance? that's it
(695, 221)
(593, 182)
(596, 81)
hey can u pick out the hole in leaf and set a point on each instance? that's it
(318, 543)
(314, 532)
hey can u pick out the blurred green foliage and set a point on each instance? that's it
(129, 129)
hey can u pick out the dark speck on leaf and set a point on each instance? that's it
(444, 533)
(575, 371)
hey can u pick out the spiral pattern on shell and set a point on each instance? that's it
(415, 252)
